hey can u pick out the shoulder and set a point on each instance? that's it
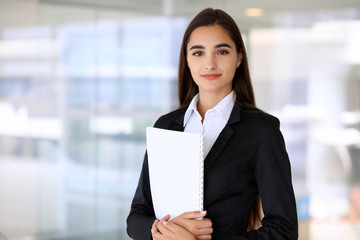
(259, 119)
(261, 127)
(168, 119)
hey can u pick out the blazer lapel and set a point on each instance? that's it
(179, 123)
(222, 139)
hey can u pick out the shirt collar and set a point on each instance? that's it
(224, 107)
(191, 108)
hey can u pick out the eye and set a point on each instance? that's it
(197, 53)
(222, 52)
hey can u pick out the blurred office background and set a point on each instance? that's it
(81, 79)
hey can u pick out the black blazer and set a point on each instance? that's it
(247, 159)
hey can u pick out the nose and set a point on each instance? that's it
(210, 63)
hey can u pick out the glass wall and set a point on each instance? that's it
(80, 81)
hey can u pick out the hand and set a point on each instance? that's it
(202, 229)
(165, 230)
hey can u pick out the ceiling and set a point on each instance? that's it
(276, 12)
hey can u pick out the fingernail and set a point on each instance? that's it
(203, 212)
(165, 222)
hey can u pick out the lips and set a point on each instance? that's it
(211, 76)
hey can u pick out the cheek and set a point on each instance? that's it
(191, 64)
(192, 72)
(194, 67)
(230, 68)
(234, 67)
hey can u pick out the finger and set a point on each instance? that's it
(179, 231)
(194, 214)
(195, 225)
(164, 231)
(205, 223)
(204, 237)
(154, 227)
(166, 217)
(171, 226)
(158, 236)
(204, 231)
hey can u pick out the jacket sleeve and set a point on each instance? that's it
(142, 214)
(273, 177)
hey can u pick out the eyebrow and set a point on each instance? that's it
(220, 45)
(197, 47)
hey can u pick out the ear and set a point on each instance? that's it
(239, 59)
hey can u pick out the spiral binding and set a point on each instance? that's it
(201, 174)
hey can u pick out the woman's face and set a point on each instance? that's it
(212, 59)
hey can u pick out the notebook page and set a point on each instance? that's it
(175, 170)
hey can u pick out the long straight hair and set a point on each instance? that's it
(241, 83)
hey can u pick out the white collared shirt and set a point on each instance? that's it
(214, 122)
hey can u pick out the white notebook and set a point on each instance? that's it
(176, 171)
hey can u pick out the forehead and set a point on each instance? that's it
(210, 35)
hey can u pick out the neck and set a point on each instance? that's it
(208, 101)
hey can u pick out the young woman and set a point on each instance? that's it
(245, 155)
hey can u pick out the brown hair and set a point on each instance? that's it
(242, 86)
